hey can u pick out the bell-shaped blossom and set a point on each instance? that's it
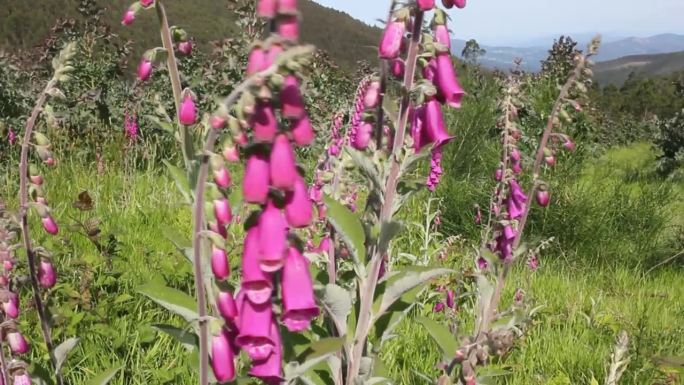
(270, 370)
(255, 329)
(302, 132)
(47, 277)
(17, 342)
(436, 171)
(505, 241)
(482, 263)
(146, 3)
(226, 305)
(434, 124)
(50, 225)
(219, 263)
(299, 304)
(187, 115)
(287, 6)
(272, 238)
(569, 145)
(10, 305)
(392, 37)
(425, 5)
(144, 69)
(498, 175)
(256, 62)
(267, 8)
(363, 136)
(264, 122)
(222, 177)
(550, 160)
(450, 299)
(460, 3)
(516, 202)
(442, 36)
(288, 27)
(438, 308)
(446, 81)
(372, 96)
(185, 48)
(222, 211)
(543, 198)
(418, 129)
(283, 164)
(36, 179)
(255, 184)
(231, 154)
(256, 284)
(274, 50)
(397, 68)
(128, 17)
(22, 379)
(292, 105)
(298, 207)
(222, 357)
(220, 230)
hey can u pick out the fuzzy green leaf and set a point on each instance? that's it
(407, 280)
(62, 352)
(337, 302)
(181, 180)
(174, 300)
(185, 337)
(442, 336)
(348, 225)
(104, 377)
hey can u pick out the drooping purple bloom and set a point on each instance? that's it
(292, 105)
(446, 81)
(255, 329)
(392, 37)
(283, 164)
(434, 124)
(226, 305)
(272, 238)
(187, 115)
(299, 305)
(288, 27)
(47, 277)
(222, 357)
(302, 132)
(270, 369)
(256, 284)
(255, 184)
(298, 207)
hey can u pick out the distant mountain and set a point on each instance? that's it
(618, 70)
(503, 57)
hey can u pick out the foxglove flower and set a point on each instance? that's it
(569, 145)
(446, 81)
(188, 111)
(292, 105)
(505, 242)
(533, 262)
(450, 299)
(255, 329)
(435, 170)
(231, 154)
(270, 370)
(363, 136)
(50, 225)
(47, 277)
(298, 207)
(272, 238)
(185, 48)
(434, 124)
(17, 342)
(222, 357)
(256, 179)
(267, 8)
(439, 307)
(288, 27)
(222, 177)
(10, 304)
(425, 5)
(222, 211)
(144, 69)
(226, 305)
(12, 137)
(302, 132)
(274, 50)
(283, 164)
(36, 179)
(516, 202)
(256, 284)
(390, 45)
(397, 68)
(22, 379)
(482, 263)
(256, 62)
(372, 96)
(128, 17)
(543, 198)
(146, 3)
(550, 160)
(442, 36)
(219, 263)
(299, 305)
(287, 6)
(264, 122)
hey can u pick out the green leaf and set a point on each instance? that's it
(174, 300)
(181, 180)
(40, 375)
(185, 337)
(104, 378)
(388, 230)
(62, 352)
(322, 348)
(337, 302)
(367, 168)
(406, 281)
(442, 336)
(349, 227)
(180, 241)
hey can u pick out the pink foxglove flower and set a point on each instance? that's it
(36, 179)
(543, 198)
(397, 68)
(255, 329)
(272, 238)
(516, 202)
(222, 357)
(392, 37)
(22, 379)
(505, 242)
(302, 132)
(11, 136)
(425, 5)
(267, 8)
(299, 305)
(226, 305)
(288, 27)
(231, 154)
(274, 50)
(450, 299)
(434, 124)
(292, 105)
(187, 115)
(442, 36)
(446, 81)
(185, 48)
(256, 284)
(270, 370)
(50, 225)
(222, 177)
(283, 164)
(298, 207)
(363, 136)
(482, 263)
(287, 6)
(256, 61)
(439, 307)
(17, 342)
(256, 179)
(372, 97)
(144, 69)
(10, 305)
(533, 262)
(460, 3)
(264, 122)
(146, 3)
(128, 17)
(222, 211)
(569, 145)
(550, 160)
(219, 263)
(47, 277)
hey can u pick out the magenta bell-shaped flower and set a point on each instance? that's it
(363, 136)
(302, 132)
(146, 3)
(270, 370)
(222, 211)
(267, 8)
(255, 183)
(292, 105)
(450, 299)
(397, 68)
(272, 238)
(298, 207)
(185, 48)
(274, 50)
(22, 379)
(372, 96)
(219, 263)
(222, 177)
(517, 191)
(47, 277)
(144, 69)
(390, 45)
(425, 5)
(256, 284)
(222, 357)
(299, 305)
(434, 124)
(283, 164)
(264, 122)
(128, 17)
(543, 198)
(256, 61)
(418, 129)
(226, 305)
(438, 308)
(287, 6)
(255, 329)
(10, 305)
(188, 111)
(505, 242)
(17, 342)
(442, 35)
(288, 27)
(460, 3)
(446, 81)
(50, 225)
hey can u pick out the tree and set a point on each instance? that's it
(472, 51)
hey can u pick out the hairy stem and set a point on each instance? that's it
(23, 204)
(369, 284)
(3, 364)
(380, 114)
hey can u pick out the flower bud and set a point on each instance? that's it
(442, 36)
(47, 277)
(543, 198)
(372, 97)
(185, 48)
(17, 342)
(128, 17)
(283, 165)
(222, 177)
(255, 185)
(450, 299)
(397, 68)
(550, 160)
(264, 122)
(257, 60)
(302, 132)
(226, 305)
(363, 136)
(569, 145)
(50, 225)
(288, 27)
(10, 304)
(298, 206)
(438, 308)
(146, 3)
(392, 37)
(36, 179)
(188, 111)
(267, 8)
(22, 379)
(144, 69)
(425, 5)
(287, 6)
(222, 211)
(292, 105)
(222, 357)
(219, 263)
(231, 153)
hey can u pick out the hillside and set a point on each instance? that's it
(26, 24)
(618, 70)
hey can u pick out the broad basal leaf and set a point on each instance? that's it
(62, 352)
(104, 378)
(407, 280)
(185, 337)
(338, 304)
(174, 300)
(181, 180)
(442, 336)
(349, 227)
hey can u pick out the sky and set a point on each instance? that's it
(527, 22)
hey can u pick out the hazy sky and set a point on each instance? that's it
(523, 21)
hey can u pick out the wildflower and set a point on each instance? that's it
(372, 96)
(11, 136)
(397, 68)
(47, 277)
(222, 177)
(288, 27)
(299, 305)
(442, 36)
(270, 369)
(187, 115)
(434, 124)
(517, 199)
(392, 37)
(256, 284)
(446, 81)
(256, 62)
(363, 136)
(267, 8)
(10, 304)
(482, 263)
(16, 341)
(219, 263)
(287, 6)
(450, 299)
(50, 225)
(435, 170)
(292, 105)
(128, 17)
(298, 208)
(256, 179)
(226, 305)
(146, 3)
(425, 5)
(533, 262)
(144, 69)
(222, 357)
(264, 122)
(255, 329)
(543, 198)
(185, 48)
(272, 238)
(438, 308)
(569, 145)
(131, 126)
(283, 164)
(302, 132)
